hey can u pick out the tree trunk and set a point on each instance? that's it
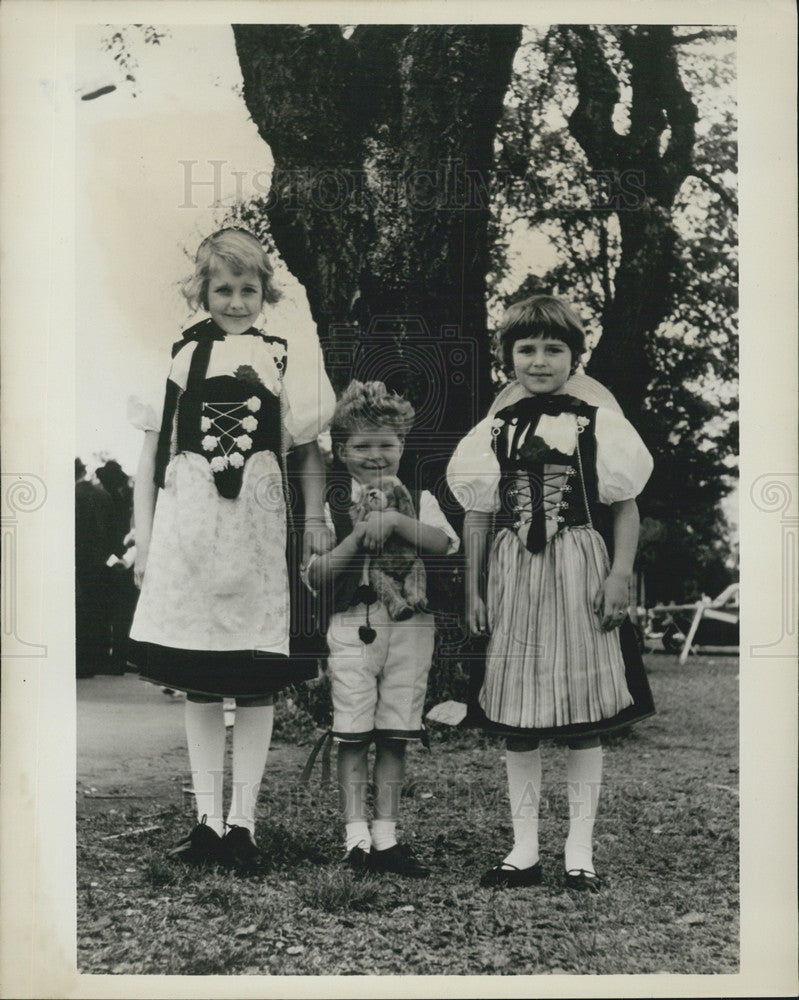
(639, 183)
(383, 148)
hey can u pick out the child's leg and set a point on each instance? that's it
(353, 776)
(353, 667)
(252, 734)
(584, 778)
(387, 854)
(388, 775)
(398, 717)
(523, 762)
(205, 735)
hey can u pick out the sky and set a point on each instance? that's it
(143, 206)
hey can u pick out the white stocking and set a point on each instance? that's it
(584, 778)
(524, 791)
(252, 734)
(205, 735)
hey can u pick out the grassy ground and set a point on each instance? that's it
(666, 842)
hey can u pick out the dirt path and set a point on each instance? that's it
(131, 745)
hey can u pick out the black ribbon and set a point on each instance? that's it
(553, 404)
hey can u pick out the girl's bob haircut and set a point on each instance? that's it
(539, 316)
(365, 406)
(240, 251)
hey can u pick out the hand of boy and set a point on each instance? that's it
(377, 526)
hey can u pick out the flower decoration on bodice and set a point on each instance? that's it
(248, 375)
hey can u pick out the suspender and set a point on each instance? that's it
(203, 334)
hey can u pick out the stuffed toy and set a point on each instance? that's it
(396, 574)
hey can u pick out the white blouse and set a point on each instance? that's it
(623, 463)
(308, 394)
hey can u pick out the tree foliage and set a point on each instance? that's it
(402, 183)
(125, 43)
(621, 144)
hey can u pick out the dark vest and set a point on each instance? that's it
(539, 483)
(222, 398)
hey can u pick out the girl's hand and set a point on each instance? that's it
(377, 526)
(612, 601)
(317, 538)
(139, 565)
(476, 616)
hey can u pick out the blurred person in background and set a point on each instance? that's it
(122, 590)
(93, 544)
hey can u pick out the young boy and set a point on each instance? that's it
(378, 667)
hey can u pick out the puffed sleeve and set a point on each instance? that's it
(309, 396)
(145, 405)
(623, 463)
(473, 471)
(144, 414)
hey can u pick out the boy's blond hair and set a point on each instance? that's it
(368, 405)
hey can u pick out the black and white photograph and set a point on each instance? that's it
(431, 548)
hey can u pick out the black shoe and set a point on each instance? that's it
(357, 860)
(241, 854)
(582, 880)
(507, 876)
(399, 860)
(203, 846)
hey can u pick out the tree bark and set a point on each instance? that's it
(641, 173)
(383, 149)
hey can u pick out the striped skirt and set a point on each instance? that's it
(548, 663)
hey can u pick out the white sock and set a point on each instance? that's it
(356, 834)
(584, 778)
(205, 735)
(524, 792)
(252, 734)
(384, 834)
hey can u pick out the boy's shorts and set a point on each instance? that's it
(378, 689)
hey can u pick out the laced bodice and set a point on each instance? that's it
(543, 453)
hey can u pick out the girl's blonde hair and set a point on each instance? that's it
(241, 252)
(367, 405)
